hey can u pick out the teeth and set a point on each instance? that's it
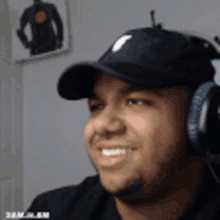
(123, 151)
(115, 152)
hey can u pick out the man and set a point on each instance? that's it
(139, 94)
(40, 16)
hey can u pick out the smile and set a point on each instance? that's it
(115, 158)
(107, 152)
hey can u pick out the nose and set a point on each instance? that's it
(110, 122)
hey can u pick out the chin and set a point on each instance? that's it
(120, 187)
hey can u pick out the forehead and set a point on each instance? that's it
(105, 83)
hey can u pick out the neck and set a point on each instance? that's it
(172, 207)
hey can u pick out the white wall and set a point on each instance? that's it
(11, 121)
(54, 149)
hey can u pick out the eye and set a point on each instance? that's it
(140, 102)
(95, 107)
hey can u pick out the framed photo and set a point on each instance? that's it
(40, 28)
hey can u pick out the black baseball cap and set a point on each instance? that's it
(147, 57)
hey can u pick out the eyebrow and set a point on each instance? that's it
(152, 91)
(131, 89)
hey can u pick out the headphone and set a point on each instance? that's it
(203, 113)
(203, 123)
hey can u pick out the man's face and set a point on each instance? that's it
(151, 123)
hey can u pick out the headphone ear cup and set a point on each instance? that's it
(197, 118)
(209, 125)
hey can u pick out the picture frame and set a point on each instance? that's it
(40, 29)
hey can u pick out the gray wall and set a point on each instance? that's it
(11, 121)
(54, 149)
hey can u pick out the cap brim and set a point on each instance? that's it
(77, 81)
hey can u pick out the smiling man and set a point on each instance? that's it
(136, 141)
(139, 93)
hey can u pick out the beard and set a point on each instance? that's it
(131, 189)
(139, 191)
(134, 195)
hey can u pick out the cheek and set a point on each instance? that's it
(145, 124)
(148, 128)
(88, 132)
(166, 139)
(158, 133)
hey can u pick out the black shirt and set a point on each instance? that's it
(89, 200)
